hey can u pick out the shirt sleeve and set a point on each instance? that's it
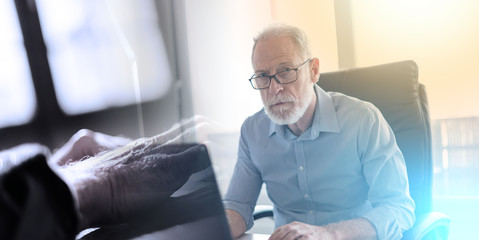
(245, 185)
(34, 202)
(385, 172)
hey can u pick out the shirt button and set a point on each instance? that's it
(311, 211)
(301, 168)
(306, 195)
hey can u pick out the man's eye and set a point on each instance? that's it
(287, 69)
(261, 75)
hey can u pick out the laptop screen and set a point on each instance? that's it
(194, 212)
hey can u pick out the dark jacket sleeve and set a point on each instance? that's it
(34, 202)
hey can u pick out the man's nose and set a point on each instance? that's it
(275, 87)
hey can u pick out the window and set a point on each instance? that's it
(104, 53)
(441, 36)
(16, 89)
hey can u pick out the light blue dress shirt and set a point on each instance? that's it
(346, 165)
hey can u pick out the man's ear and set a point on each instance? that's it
(314, 69)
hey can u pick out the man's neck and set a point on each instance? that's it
(306, 120)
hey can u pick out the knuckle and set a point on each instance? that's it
(83, 133)
(84, 140)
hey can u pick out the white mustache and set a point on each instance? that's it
(280, 99)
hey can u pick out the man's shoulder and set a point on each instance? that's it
(351, 103)
(348, 107)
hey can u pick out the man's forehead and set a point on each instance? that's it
(273, 65)
(275, 52)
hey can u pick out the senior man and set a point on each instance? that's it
(330, 162)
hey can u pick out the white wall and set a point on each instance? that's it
(220, 37)
(441, 36)
(317, 19)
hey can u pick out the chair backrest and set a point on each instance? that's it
(395, 90)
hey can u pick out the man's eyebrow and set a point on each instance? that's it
(280, 65)
(285, 64)
(257, 73)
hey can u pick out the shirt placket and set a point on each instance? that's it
(303, 181)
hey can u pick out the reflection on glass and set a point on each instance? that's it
(90, 66)
(456, 167)
(16, 89)
(193, 212)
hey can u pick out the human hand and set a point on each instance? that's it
(118, 185)
(86, 143)
(193, 207)
(195, 129)
(298, 230)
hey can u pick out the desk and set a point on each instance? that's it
(247, 236)
(198, 230)
(255, 236)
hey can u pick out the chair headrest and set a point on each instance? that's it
(392, 83)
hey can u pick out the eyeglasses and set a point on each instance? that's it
(286, 76)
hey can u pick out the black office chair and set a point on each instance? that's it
(395, 90)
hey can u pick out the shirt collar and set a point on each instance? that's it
(324, 120)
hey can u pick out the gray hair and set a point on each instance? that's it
(283, 30)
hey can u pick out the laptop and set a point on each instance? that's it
(194, 212)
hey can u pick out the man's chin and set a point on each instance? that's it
(283, 118)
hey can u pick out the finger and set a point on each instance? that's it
(286, 232)
(194, 159)
(203, 130)
(195, 120)
(164, 137)
(170, 158)
(176, 131)
(278, 234)
(75, 149)
(110, 142)
(187, 129)
(86, 143)
(164, 168)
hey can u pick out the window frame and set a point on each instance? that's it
(52, 127)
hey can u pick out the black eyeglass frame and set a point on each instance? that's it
(276, 79)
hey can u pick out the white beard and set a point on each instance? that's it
(283, 115)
